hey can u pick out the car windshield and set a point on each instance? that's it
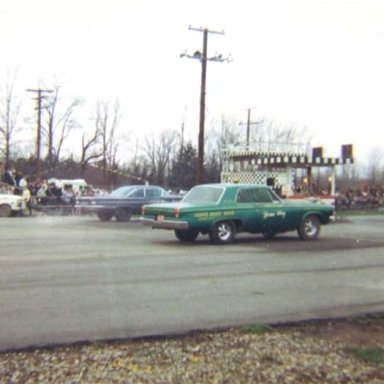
(204, 194)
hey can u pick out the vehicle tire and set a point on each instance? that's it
(222, 232)
(186, 235)
(309, 228)
(5, 210)
(123, 214)
(105, 215)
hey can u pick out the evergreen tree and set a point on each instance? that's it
(212, 169)
(183, 172)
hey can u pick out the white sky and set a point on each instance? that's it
(313, 63)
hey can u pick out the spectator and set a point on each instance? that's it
(9, 178)
(26, 194)
(20, 183)
(367, 198)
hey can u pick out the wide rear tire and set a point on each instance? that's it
(222, 232)
(309, 228)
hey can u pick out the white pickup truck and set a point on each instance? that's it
(10, 204)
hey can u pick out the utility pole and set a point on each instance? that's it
(40, 95)
(249, 123)
(202, 56)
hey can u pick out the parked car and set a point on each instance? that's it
(10, 204)
(123, 202)
(222, 210)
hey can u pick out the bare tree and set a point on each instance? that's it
(60, 123)
(280, 137)
(265, 135)
(9, 115)
(107, 119)
(158, 152)
(90, 148)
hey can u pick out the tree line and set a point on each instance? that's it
(96, 147)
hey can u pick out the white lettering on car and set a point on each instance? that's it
(267, 215)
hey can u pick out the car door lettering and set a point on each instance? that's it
(201, 215)
(213, 214)
(280, 213)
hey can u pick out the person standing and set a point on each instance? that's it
(26, 194)
(20, 183)
(8, 178)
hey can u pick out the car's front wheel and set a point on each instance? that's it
(223, 232)
(309, 228)
(5, 210)
(186, 235)
(105, 215)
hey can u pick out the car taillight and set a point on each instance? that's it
(177, 212)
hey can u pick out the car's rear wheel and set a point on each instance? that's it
(186, 235)
(223, 232)
(105, 215)
(5, 210)
(123, 214)
(309, 228)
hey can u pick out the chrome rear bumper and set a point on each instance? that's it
(165, 224)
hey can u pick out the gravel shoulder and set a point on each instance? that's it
(347, 350)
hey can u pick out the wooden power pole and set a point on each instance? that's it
(40, 95)
(202, 56)
(249, 123)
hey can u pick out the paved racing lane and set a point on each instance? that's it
(67, 279)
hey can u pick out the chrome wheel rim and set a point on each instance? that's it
(310, 228)
(224, 231)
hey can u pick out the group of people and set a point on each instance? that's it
(35, 193)
(43, 194)
(361, 198)
(50, 192)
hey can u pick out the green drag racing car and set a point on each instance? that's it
(222, 210)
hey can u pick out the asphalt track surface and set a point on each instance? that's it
(72, 279)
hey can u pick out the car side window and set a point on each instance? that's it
(263, 196)
(243, 196)
(138, 193)
(153, 193)
(253, 195)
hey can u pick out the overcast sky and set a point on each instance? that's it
(314, 63)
